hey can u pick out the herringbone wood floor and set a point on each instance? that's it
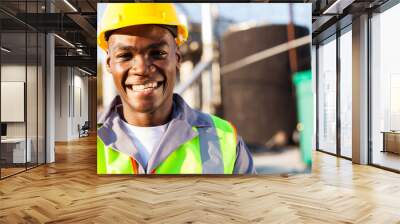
(69, 191)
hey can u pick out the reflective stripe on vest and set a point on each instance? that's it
(110, 161)
(213, 151)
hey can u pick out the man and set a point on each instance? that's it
(147, 129)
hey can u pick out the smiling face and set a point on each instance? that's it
(143, 61)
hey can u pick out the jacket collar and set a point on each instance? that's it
(178, 132)
(180, 111)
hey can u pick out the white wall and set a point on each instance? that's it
(12, 73)
(61, 103)
(71, 93)
(79, 117)
(34, 124)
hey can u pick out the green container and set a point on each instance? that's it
(305, 113)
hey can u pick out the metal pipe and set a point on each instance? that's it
(17, 19)
(196, 74)
(264, 54)
(207, 55)
(291, 36)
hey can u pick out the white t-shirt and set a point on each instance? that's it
(145, 139)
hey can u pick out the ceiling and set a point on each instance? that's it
(330, 15)
(75, 22)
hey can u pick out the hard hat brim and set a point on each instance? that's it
(120, 15)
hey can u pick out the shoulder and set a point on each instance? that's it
(218, 122)
(197, 118)
(222, 124)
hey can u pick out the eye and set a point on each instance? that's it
(124, 56)
(158, 54)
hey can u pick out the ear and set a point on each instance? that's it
(178, 58)
(108, 62)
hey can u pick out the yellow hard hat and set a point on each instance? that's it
(119, 15)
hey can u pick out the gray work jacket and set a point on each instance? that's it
(179, 131)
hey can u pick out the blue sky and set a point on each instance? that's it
(273, 13)
(261, 13)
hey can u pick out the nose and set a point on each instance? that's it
(140, 65)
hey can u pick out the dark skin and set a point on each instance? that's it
(144, 61)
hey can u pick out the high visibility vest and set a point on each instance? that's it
(212, 151)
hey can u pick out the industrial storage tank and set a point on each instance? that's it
(259, 99)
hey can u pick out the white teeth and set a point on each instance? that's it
(150, 85)
(140, 87)
(137, 87)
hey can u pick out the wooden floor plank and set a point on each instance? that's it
(70, 191)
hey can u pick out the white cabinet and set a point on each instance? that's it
(17, 146)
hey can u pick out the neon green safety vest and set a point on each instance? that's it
(195, 156)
